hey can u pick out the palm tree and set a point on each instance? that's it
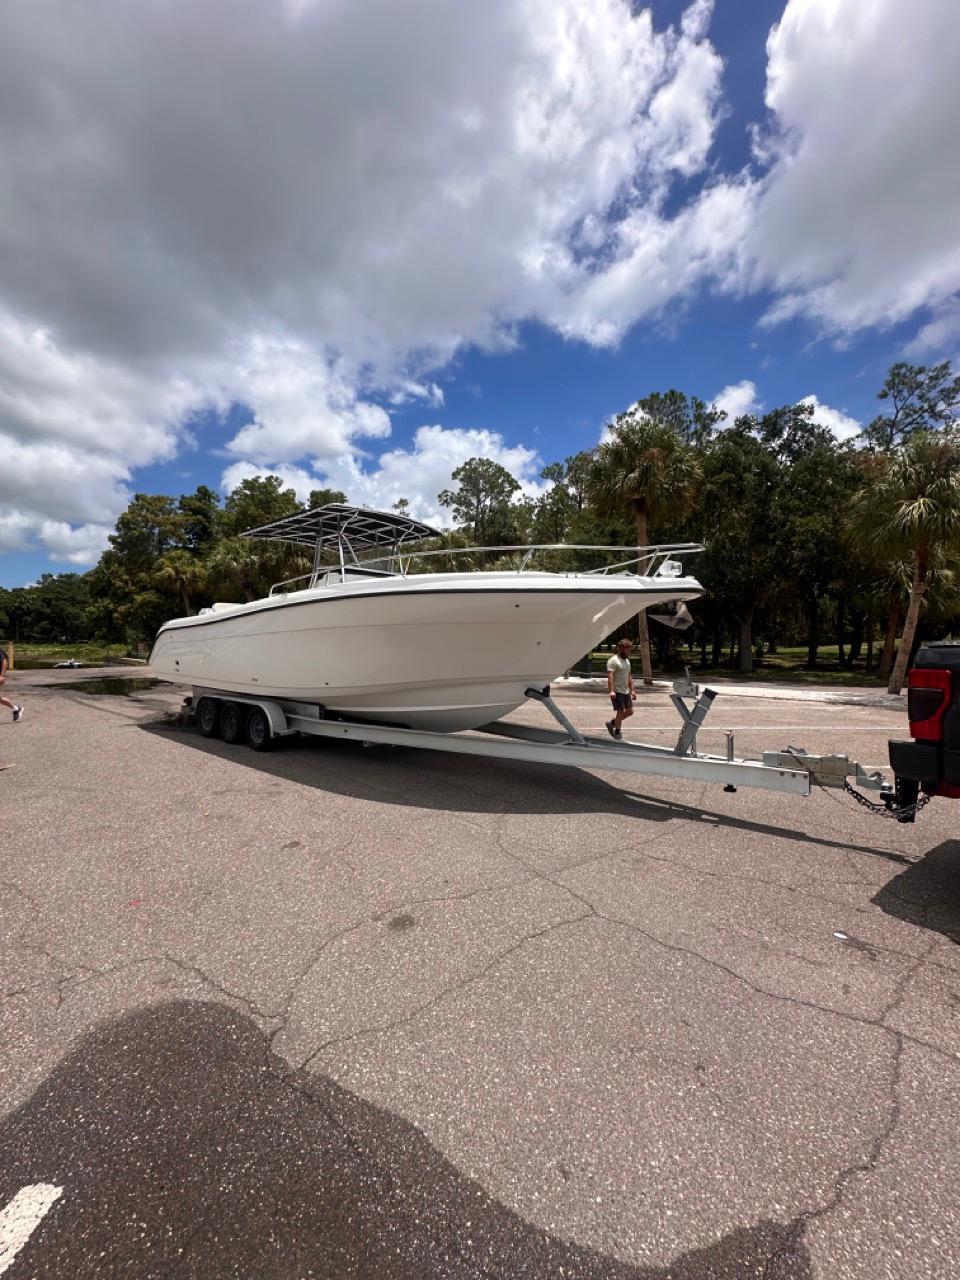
(647, 470)
(887, 595)
(909, 509)
(179, 572)
(249, 567)
(233, 566)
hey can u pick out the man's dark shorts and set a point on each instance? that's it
(621, 701)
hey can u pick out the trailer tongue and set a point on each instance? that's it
(929, 762)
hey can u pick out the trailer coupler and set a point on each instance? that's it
(828, 771)
(901, 801)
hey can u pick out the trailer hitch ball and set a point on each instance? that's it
(730, 787)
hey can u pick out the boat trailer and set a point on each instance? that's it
(264, 722)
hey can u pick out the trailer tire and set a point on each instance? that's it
(259, 733)
(231, 722)
(208, 717)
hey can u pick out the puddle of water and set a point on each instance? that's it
(115, 685)
(44, 664)
(38, 664)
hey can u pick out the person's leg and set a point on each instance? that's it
(613, 726)
(14, 706)
(618, 705)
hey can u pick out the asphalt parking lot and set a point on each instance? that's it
(342, 1012)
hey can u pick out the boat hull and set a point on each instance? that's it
(432, 652)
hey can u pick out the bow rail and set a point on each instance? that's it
(651, 561)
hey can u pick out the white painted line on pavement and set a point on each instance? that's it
(22, 1216)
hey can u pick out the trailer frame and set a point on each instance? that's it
(266, 721)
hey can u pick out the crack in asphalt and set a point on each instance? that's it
(888, 1126)
(37, 947)
(259, 1015)
(20, 991)
(692, 953)
(28, 898)
(785, 886)
(285, 1011)
(900, 1039)
(441, 995)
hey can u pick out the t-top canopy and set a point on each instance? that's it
(327, 526)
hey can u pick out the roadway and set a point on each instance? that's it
(336, 1011)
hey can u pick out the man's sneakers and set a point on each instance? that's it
(17, 713)
(612, 730)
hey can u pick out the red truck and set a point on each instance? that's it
(929, 762)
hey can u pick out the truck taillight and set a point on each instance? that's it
(928, 697)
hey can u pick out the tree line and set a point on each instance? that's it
(806, 538)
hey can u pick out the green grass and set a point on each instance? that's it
(857, 678)
(786, 666)
(24, 652)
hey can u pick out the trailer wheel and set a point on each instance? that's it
(208, 717)
(259, 734)
(231, 722)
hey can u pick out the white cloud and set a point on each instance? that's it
(311, 208)
(74, 484)
(384, 194)
(857, 221)
(939, 335)
(654, 263)
(408, 390)
(304, 405)
(737, 399)
(81, 545)
(307, 207)
(841, 424)
(71, 428)
(49, 394)
(15, 530)
(417, 474)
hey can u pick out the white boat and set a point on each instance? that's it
(388, 642)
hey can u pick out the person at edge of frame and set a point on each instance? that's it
(4, 701)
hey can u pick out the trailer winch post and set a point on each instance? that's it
(692, 717)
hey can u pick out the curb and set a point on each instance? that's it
(780, 693)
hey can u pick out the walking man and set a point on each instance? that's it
(14, 707)
(620, 687)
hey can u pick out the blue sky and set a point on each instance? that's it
(305, 239)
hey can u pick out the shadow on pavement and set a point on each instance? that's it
(416, 778)
(182, 1153)
(928, 892)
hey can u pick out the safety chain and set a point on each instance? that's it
(885, 812)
